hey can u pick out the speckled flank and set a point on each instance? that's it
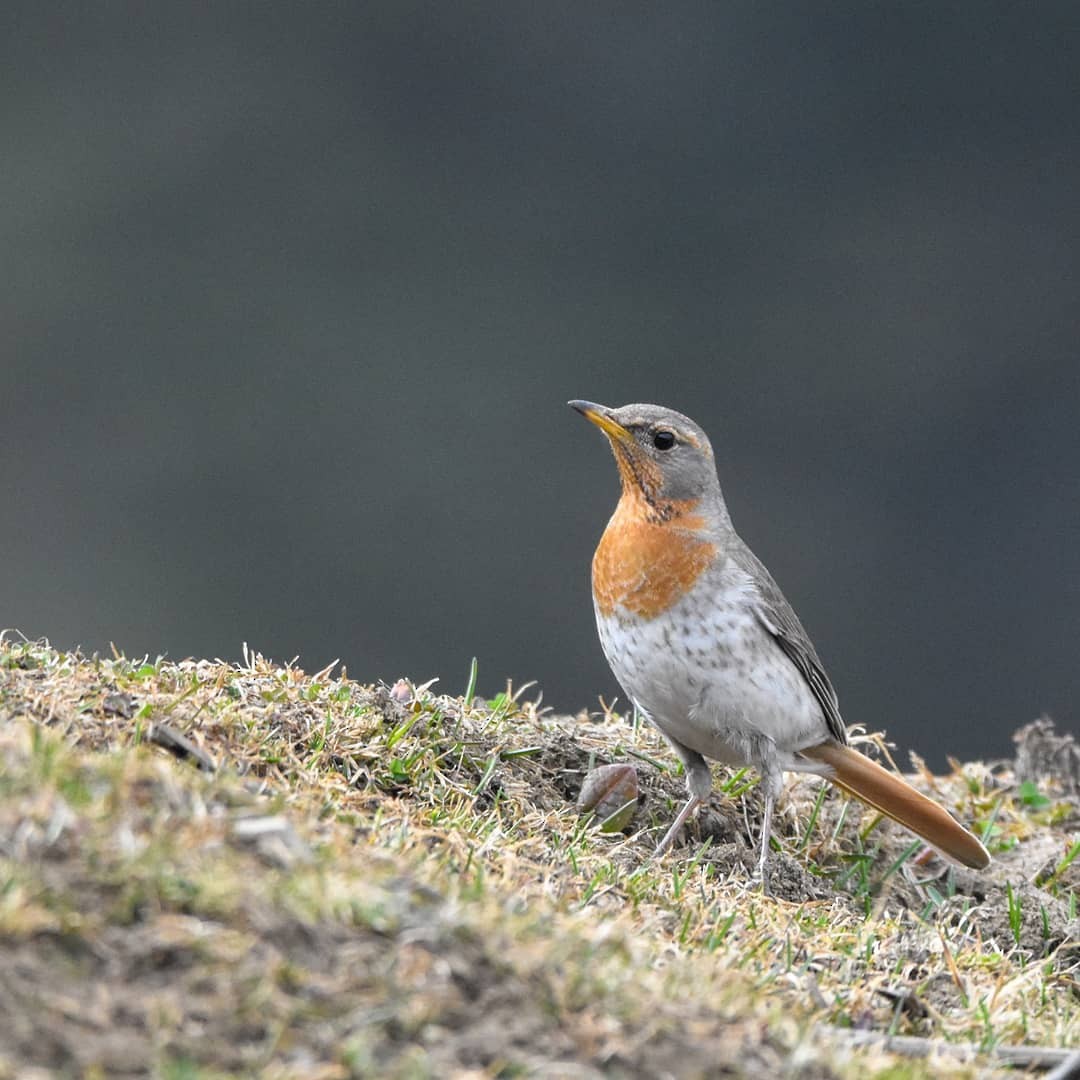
(647, 560)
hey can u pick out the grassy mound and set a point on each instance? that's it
(212, 870)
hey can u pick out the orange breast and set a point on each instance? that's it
(645, 565)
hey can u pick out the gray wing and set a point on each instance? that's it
(781, 622)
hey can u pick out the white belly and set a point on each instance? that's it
(713, 678)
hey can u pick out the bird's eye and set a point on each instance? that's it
(663, 439)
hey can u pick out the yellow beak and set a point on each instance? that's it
(601, 416)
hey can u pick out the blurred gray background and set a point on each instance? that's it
(293, 298)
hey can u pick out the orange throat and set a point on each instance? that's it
(649, 556)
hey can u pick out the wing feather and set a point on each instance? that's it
(779, 619)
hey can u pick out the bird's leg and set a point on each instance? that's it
(669, 837)
(766, 832)
(772, 782)
(698, 784)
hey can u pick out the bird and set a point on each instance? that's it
(705, 645)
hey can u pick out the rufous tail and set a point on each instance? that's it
(894, 797)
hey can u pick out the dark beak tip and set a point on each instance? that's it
(585, 407)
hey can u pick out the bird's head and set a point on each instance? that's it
(663, 456)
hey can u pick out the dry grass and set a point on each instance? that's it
(342, 880)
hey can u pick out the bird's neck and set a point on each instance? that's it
(645, 505)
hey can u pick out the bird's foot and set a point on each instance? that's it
(676, 827)
(759, 878)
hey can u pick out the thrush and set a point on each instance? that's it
(705, 645)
